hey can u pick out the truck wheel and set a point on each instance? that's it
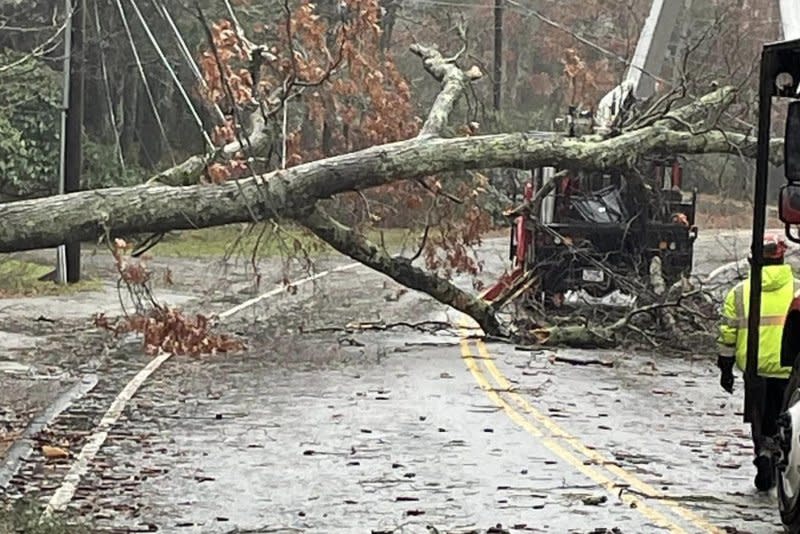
(790, 511)
(788, 478)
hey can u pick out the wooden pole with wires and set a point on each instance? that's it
(68, 267)
(497, 85)
(73, 154)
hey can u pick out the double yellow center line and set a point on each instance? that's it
(570, 449)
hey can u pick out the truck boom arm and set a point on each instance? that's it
(790, 19)
(639, 82)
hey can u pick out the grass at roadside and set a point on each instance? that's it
(20, 278)
(237, 240)
(25, 516)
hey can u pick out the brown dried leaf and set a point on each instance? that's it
(53, 453)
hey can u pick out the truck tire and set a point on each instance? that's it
(790, 511)
(789, 499)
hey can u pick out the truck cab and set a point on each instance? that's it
(597, 228)
(779, 79)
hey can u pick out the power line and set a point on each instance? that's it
(42, 48)
(233, 18)
(187, 55)
(144, 78)
(172, 73)
(107, 87)
(611, 54)
(527, 11)
(181, 42)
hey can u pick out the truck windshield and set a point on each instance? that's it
(603, 206)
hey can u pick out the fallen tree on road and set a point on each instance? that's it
(87, 215)
(295, 193)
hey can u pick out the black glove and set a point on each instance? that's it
(725, 364)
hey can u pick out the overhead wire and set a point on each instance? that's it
(44, 48)
(187, 55)
(528, 11)
(179, 37)
(178, 84)
(234, 19)
(140, 68)
(107, 88)
(609, 53)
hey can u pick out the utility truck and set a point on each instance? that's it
(591, 229)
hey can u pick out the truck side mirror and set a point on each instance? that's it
(789, 209)
(789, 204)
(791, 146)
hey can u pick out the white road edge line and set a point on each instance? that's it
(277, 290)
(63, 495)
(66, 490)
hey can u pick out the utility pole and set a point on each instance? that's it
(68, 266)
(498, 55)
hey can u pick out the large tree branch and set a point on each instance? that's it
(191, 169)
(85, 215)
(400, 269)
(701, 109)
(358, 247)
(454, 81)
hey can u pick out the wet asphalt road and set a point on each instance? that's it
(332, 432)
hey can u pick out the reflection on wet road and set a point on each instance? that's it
(372, 431)
(631, 463)
(460, 436)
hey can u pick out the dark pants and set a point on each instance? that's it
(763, 423)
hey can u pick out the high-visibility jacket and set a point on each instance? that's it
(778, 290)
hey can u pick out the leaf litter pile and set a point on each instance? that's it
(163, 329)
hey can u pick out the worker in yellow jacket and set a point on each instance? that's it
(778, 290)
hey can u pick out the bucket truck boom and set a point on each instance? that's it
(790, 19)
(640, 79)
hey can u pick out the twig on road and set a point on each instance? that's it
(581, 361)
(425, 326)
(262, 530)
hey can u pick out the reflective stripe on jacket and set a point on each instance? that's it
(778, 290)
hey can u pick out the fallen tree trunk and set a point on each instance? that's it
(358, 247)
(86, 215)
(294, 193)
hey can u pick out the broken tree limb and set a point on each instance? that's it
(606, 334)
(578, 336)
(358, 247)
(454, 81)
(706, 108)
(533, 206)
(659, 286)
(572, 360)
(86, 215)
(188, 171)
(657, 277)
(400, 269)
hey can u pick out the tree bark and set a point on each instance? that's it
(578, 336)
(400, 269)
(358, 247)
(453, 80)
(86, 215)
(294, 193)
